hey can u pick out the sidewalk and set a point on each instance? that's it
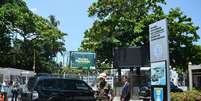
(117, 98)
(10, 99)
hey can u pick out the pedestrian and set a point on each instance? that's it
(15, 91)
(3, 91)
(125, 94)
(1, 96)
(105, 92)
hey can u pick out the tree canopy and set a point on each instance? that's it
(124, 23)
(25, 35)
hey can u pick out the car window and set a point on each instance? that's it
(31, 83)
(81, 86)
(40, 85)
(67, 84)
(50, 84)
(56, 84)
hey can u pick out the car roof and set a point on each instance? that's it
(54, 77)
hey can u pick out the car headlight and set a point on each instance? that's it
(34, 95)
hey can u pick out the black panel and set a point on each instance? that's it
(130, 57)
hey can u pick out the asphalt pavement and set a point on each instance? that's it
(117, 98)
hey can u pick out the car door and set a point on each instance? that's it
(52, 90)
(45, 88)
(67, 89)
(83, 92)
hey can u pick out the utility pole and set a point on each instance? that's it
(34, 62)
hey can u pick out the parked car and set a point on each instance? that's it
(48, 88)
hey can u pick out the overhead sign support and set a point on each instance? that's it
(159, 57)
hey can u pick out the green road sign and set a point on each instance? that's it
(83, 60)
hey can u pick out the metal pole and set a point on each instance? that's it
(63, 59)
(88, 75)
(131, 81)
(70, 59)
(34, 62)
(67, 56)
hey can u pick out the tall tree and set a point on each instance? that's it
(27, 35)
(182, 35)
(123, 23)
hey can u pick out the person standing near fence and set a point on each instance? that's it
(105, 92)
(125, 94)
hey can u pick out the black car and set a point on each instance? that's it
(47, 88)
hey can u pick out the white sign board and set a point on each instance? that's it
(158, 41)
(159, 57)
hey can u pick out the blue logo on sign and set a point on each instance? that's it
(158, 94)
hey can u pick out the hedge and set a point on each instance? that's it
(193, 95)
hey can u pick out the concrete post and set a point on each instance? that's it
(190, 76)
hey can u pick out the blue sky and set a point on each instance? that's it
(74, 19)
(72, 15)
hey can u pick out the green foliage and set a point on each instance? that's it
(68, 70)
(194, 95)
(182, 34)
(119, 23)
(124, 23)
(22, 32)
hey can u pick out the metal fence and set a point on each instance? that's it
(136, 82)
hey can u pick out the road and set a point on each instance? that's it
(117, 98)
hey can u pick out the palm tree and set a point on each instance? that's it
(53, 21)
(56, 45)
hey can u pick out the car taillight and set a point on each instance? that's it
(34, 95)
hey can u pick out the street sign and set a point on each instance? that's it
(83, 60)
(159, 57)
(158, 38)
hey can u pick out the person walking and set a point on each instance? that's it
(125, 94)
(15, 91)
(105, 92)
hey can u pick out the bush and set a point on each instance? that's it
(194, 95)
